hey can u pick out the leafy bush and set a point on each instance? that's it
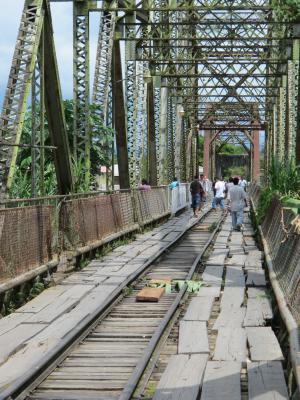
(284, 177)
(283, 181)
(286, 10)
(264, 202)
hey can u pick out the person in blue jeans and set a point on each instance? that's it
(197, 192)
(219, 194)
(237, 202)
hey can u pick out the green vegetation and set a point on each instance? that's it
(234, 171)
(232, 149)
(286, 10)
(212, 226)
(283, 182)
(101, 140)
(150, 390)
(193, 286)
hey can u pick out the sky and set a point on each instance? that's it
(63, 31)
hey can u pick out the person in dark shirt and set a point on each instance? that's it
(197, 193)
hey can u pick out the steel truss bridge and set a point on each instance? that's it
(170, 76)
(166, 73)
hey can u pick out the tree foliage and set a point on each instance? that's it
(287, 10)
(101, 142)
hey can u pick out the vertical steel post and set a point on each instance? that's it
(178, 140)
(55, 111)
(119, 117)
(152, 160)
(206, 151)
(282, 119)
(163, 136)
(81, 87)
(170, 139)
(255, 152)
(38, 124)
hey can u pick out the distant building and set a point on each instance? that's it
(101, 178)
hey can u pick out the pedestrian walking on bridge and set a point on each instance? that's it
(237, 202)
(197, 193)
(219, 194)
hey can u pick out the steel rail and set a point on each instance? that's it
(141, 366)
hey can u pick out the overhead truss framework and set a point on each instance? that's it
(223, 69)
(225, 62)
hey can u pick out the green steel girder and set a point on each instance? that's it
(18, 89)
(35, 19)
(81, 87)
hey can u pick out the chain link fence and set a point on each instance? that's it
(35, 231)
(25, 238)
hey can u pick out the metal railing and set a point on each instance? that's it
(281, 241)
(34, 232)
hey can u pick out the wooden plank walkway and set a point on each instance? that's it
(237, 283)
(37, 329)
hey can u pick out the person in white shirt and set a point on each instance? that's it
(243, 183)
(237, 203)
(220, 194)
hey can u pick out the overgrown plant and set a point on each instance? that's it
(101, 153)
(283, 181)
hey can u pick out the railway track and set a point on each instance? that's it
(109, 358)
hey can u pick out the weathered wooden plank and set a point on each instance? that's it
(199, 309)
(11, 341)
(257, 292)
(11, 321)
(43, 299)
(234, 277)
(182, 378)
(221, 240)
(61, 304)
(258, 311)
(253, 264)
(222, 381)
(230, 317)
(266, 381)
(193, 337)
(231, 345)
(213, 274)
(256, 278)
(237, 259)
(217, 257)
(236, 250)
(150, 294)
(232, 297)
(209, 291)
(263, 344)
(256, 255)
